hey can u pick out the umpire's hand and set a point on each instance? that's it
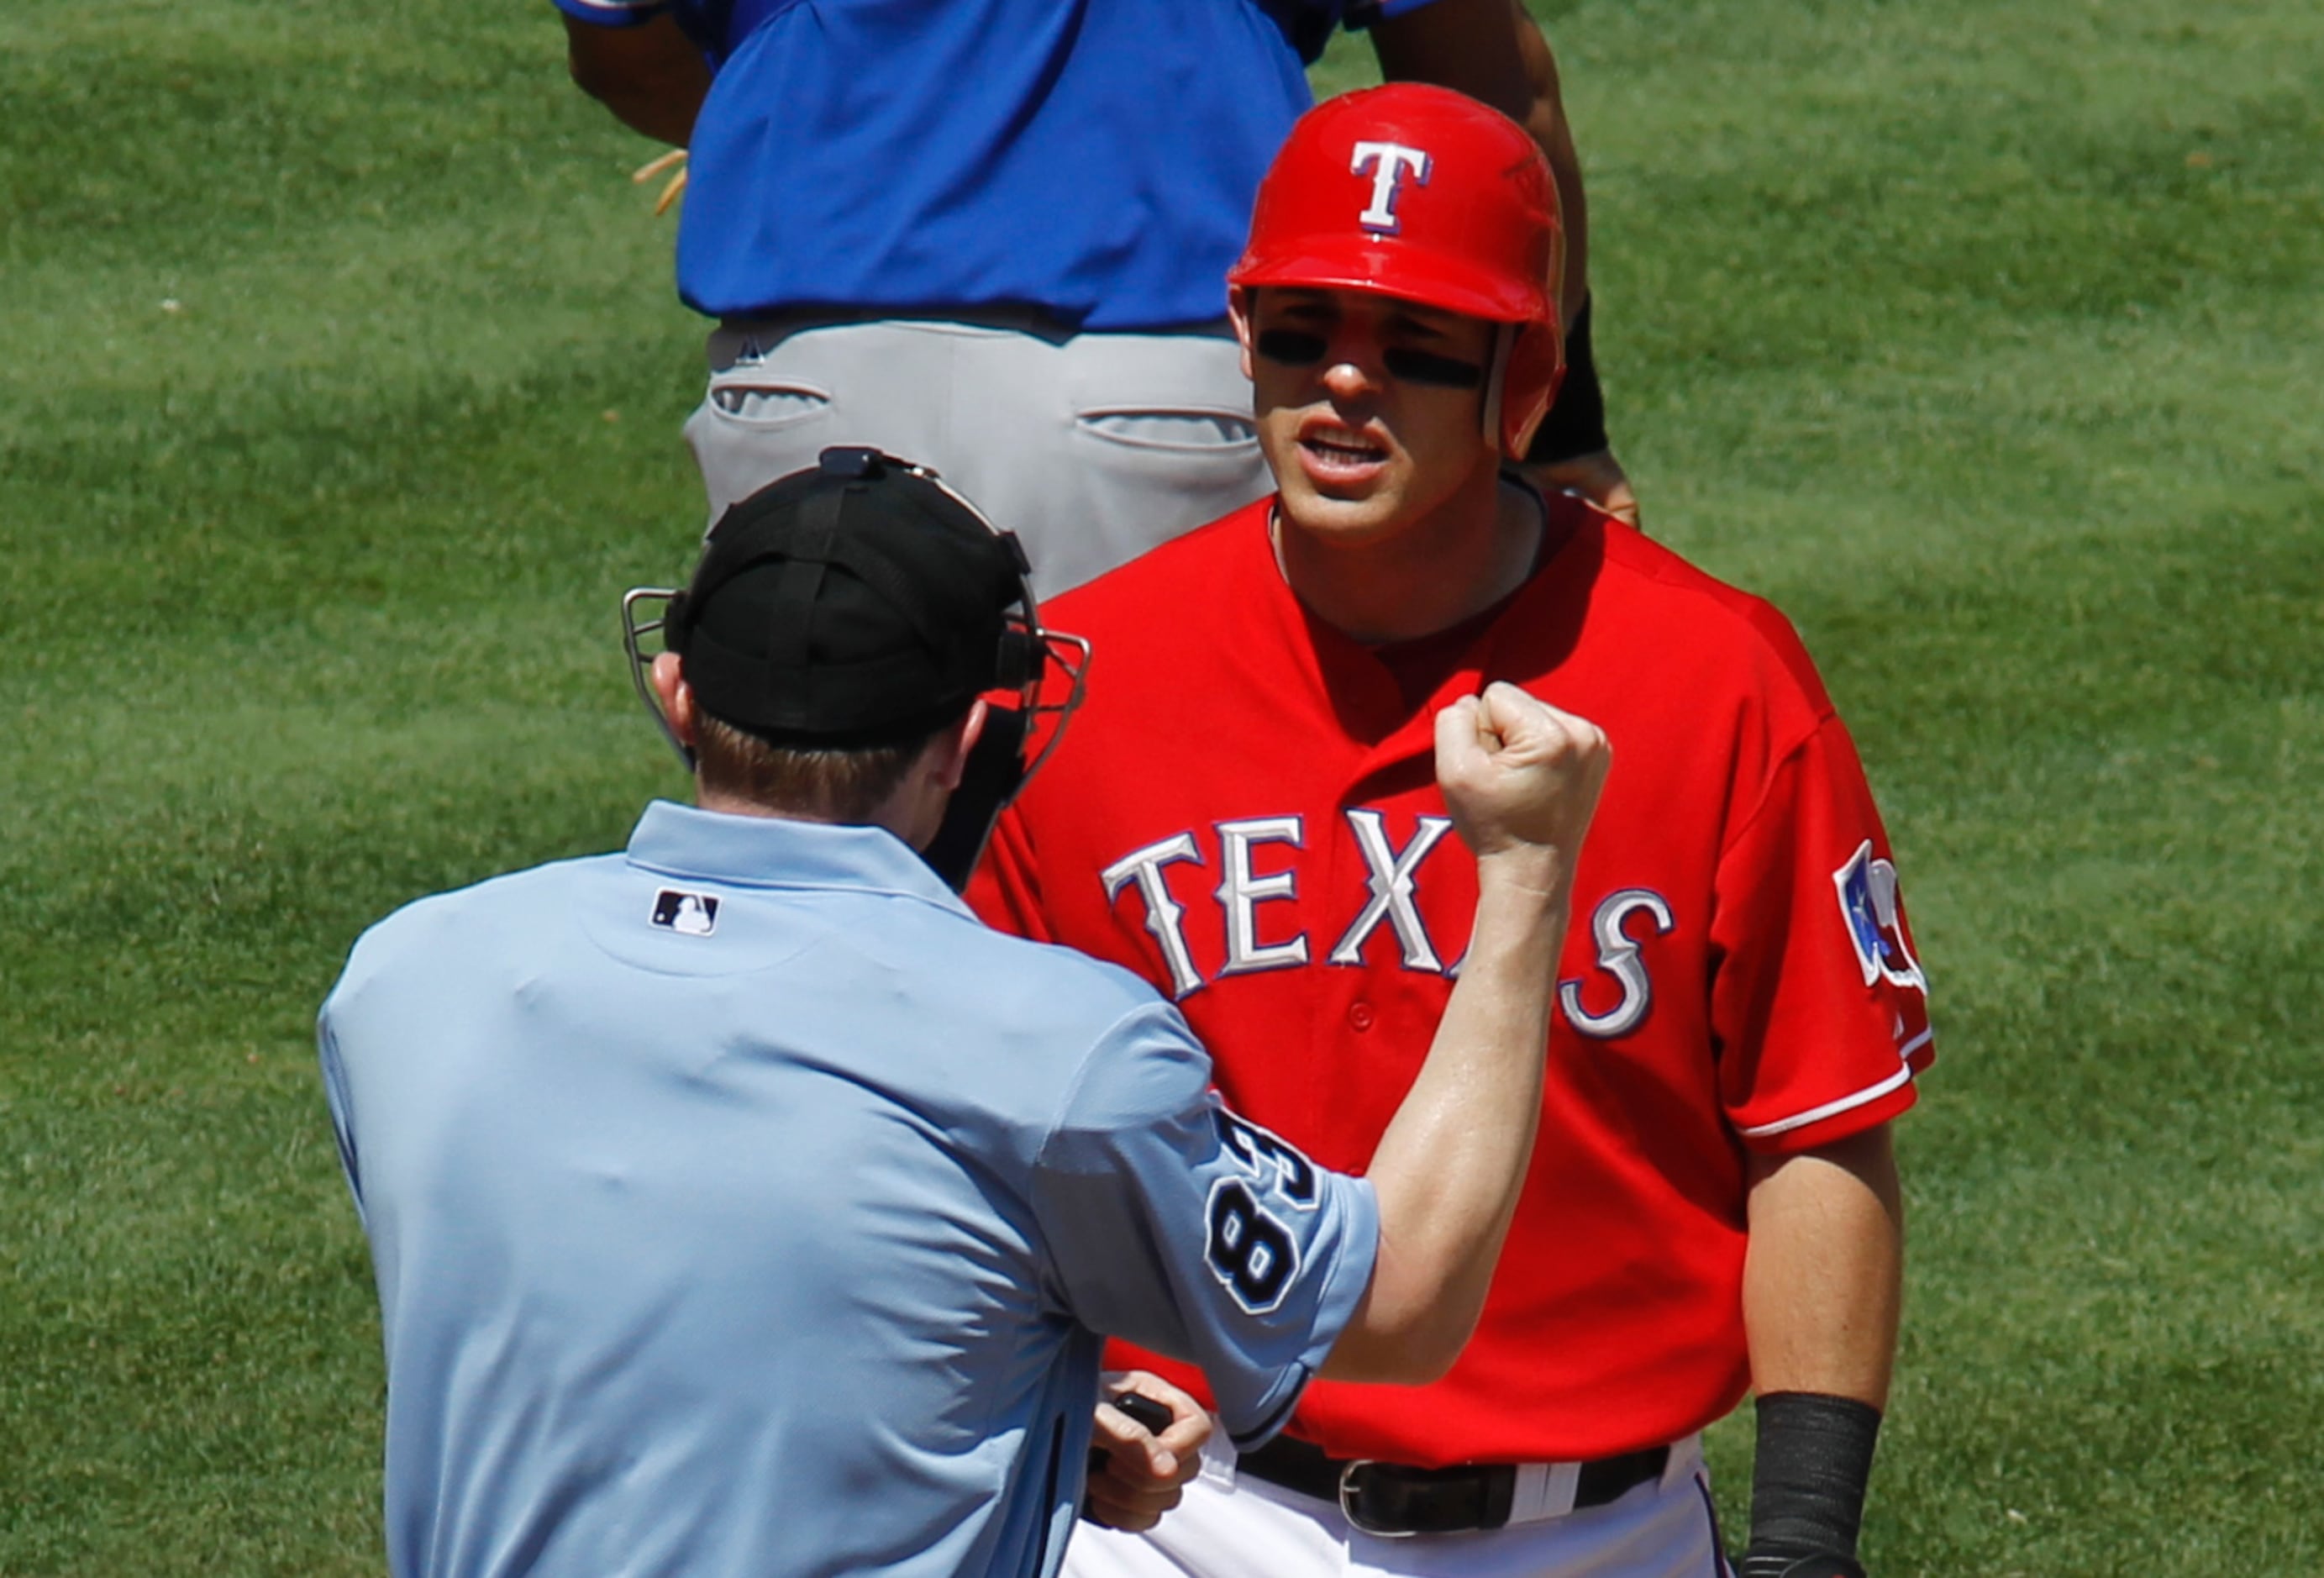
(1137, 1475)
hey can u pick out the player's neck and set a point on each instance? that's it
(1467, 555)
(913, 820)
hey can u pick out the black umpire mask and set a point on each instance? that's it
(863, 603)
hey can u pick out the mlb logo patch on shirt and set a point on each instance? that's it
(693, 914)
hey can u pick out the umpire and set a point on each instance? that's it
(740, 1205)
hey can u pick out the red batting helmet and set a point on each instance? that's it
(1423, 193)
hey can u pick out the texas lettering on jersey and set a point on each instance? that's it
(1392, 880)
(1241, 890)
(1613, 1005)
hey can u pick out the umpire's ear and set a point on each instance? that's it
(960, 746)
(1240, 301)
(676, 696)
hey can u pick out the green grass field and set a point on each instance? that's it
(339, 385)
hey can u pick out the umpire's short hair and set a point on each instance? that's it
(830, 783)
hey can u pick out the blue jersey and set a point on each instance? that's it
(1095, 160)
(742, 1205)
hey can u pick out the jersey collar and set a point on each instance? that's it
(1543, 615)
(774, 852)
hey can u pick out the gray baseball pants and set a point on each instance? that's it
(1092, 448)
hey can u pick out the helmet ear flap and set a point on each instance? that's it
(1536, 365)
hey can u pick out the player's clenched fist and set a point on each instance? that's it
(1520, 778)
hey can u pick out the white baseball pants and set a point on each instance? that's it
(1232, 1527)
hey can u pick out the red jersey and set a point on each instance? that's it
(1245, 812)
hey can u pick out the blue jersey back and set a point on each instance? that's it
(742, 1205)
(1092, 159)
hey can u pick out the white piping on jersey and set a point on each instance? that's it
(1872, 1092)
(623, 6)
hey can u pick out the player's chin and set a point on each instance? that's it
(1347, 516)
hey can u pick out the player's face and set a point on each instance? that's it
(1370, 408)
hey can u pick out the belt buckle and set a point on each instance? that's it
(1349, 1498)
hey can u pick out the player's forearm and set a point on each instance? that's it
(1823, 1273)
(1452, 1164)
(1544, 117)
(1822, 1289)
(651, 77)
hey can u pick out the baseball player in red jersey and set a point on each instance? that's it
(1244, 815)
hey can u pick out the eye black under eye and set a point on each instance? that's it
(1292, 347)
(1428, 367)
(1296, 347)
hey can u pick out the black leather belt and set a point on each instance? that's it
(1394, 1498)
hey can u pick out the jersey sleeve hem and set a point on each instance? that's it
(1852, 1113)
(612, 12)
(1276, 1418)
(1351, 1276)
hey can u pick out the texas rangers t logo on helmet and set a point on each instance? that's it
(1388, 164)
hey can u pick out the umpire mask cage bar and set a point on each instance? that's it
(1028, 651)
(638, 622)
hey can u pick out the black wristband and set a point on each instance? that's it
(1807, 1483)
(1576, 422)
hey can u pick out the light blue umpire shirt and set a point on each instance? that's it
(742, 1205)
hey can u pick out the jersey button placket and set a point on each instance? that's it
(1330, 1064)
(1360, 1016)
